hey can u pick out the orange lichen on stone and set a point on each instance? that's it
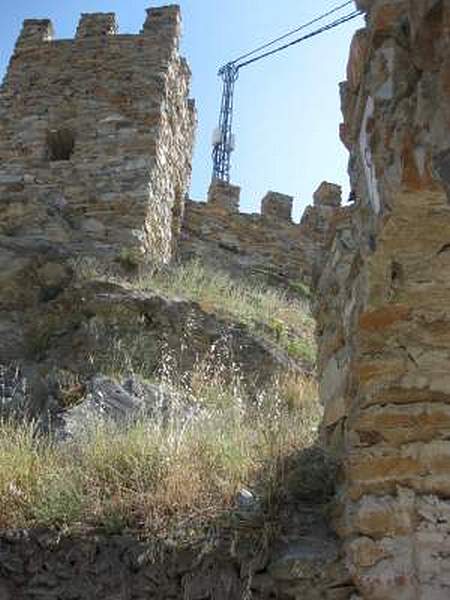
(383, 318)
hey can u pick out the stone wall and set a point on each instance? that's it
(96, 138)
(383, 319)
(268, 245)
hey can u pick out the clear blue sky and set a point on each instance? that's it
(287, 107)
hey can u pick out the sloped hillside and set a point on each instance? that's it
(178, 413)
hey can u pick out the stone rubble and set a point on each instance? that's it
(224, 565)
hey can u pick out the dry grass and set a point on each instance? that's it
(155, 474)
(283, 317)
(152, 473)
(266, 310)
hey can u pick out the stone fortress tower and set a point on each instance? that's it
(96, 138)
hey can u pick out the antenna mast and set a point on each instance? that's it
(223, 138)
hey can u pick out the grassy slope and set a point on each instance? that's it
(150, 474)
(266, 311)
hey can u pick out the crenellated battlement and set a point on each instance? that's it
(328, 194)
(277, 206)
(225, 196)
(35, 32)
(163, 24)
(97, 25)
(268, 242)
(163, 21)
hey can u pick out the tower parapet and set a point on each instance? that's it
(267, 245)
(34, 32)
(96, 138)
(97, 25)
(277, 206)
(104, 123)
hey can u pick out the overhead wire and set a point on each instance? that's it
(292, 32)
(230, 71)
(314, 33)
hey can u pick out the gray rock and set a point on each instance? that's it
(248, 503)
(245, 498)
(108, 401)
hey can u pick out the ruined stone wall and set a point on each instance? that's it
(268, 245)
(96, 138)
(383, 319)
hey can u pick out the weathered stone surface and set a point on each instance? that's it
(224, 196)
(328, 194)
(95, 151)
(304, 561)
(107, 401)
(269, 245)
(382, 305)
(221, 563)
(277, 206)
(96, 137)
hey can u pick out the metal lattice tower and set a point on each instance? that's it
(223, 140)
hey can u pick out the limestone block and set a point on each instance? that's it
(224, 195)
(277, 206)
(328, 194)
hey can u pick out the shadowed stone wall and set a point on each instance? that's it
(383, 318)
(237, 562)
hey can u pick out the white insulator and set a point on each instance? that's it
(232, 142)
(216, 137)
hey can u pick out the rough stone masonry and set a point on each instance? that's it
(383, 309)
(96, 138)
(267, 246)
(382, 284)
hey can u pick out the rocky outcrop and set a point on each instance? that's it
(382, 309)
(107, 401)
(100, 327)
